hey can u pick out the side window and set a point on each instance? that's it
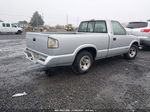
(100, 27)
(7, 25)
(118, 29)
(3, 24)
(90, 27)
(83, 27)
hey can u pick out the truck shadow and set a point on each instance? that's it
(50, 72)
(67, 70)
(101, 70)
(145, 49)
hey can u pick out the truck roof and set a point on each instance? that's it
(98, 20)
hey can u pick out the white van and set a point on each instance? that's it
(9, 28)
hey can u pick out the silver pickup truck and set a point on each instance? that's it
(94, 40)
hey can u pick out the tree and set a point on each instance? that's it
(59, 26)
(36, 19)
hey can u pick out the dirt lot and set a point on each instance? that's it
(113, 83)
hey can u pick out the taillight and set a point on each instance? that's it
(145, 30)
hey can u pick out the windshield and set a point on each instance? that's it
(13, 25)
(137, 25)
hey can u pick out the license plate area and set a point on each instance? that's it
(28, 54)
(39, 57)
(36, 55)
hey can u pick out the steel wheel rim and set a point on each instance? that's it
(85, 63)
(132, 52)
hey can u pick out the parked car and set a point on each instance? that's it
(142, 30)
(9, 28)
(94, 40)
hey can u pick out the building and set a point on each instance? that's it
(22, 24)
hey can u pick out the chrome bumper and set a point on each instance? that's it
(35, 56)
(50, 61)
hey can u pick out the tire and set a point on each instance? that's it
(19, 32)
(83, 62)
(132, 53)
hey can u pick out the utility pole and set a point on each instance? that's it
(37, 21)
(77, 21)
(67, 19)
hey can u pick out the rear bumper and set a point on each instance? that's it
(49, 61)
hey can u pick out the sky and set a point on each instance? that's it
(56, 11)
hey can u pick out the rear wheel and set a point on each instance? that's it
(132, 52)
(83, 62)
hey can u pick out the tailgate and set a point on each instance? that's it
(37, 42)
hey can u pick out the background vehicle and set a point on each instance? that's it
(28, 28)
(94, 40)
(9, 28)
(141, 29)
(69, 27)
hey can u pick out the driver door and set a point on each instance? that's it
(119, 41)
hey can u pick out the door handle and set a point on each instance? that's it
(114, 39)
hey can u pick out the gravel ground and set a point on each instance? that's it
(113, 83)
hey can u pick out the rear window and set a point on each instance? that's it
(137, 25)
(93, 26)
(83, 27)
(90, 27)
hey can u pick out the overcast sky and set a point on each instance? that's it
(56, 11)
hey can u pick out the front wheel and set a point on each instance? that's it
(19, 32)
(83, 62)
(132, 52)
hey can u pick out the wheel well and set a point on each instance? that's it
(19, 31)
(89, 49)
(136, 43)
